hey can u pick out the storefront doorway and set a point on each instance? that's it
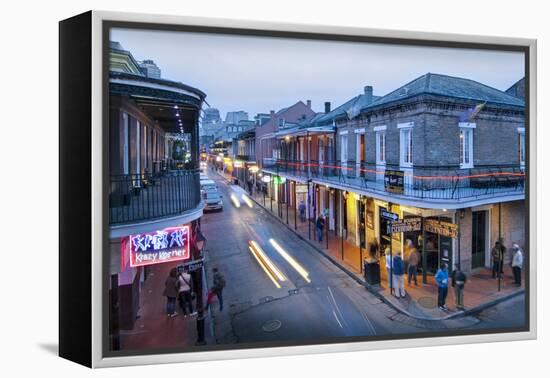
(383, 236)
(479, 238)
(438, 249)
(362, 203)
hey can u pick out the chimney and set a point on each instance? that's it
(327, 107)
(309, 104)
(368, 94)
(272, 113)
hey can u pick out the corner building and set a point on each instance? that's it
(446, 149)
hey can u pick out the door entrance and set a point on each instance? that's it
(479, 238)
(362, 216)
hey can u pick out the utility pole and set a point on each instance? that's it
(390, 278)
(501, 244)
(295, 207)
(308, 200)
(424, 257)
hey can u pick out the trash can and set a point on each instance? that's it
(372, 272)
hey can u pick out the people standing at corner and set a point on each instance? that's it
(517, 264)
(413, 261)
(184, 289)
(397, 273)
(458, 280)
(442, 279)
(388, 266)
(171, 292)
(320, 226)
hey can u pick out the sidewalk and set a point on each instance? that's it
(154, 329)
(481, 290)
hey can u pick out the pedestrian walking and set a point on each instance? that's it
(320, 225)
(388, 266)
(397, 272)
(517, 264)
(442, 279)
(184, 292)
(250, 185)
(458, 280)
(413, 261)
(171, 292)
(218, 284)
(497, 257)
(302, 210)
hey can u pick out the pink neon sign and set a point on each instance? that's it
(170, 244)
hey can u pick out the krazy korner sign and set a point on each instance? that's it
(170, 244)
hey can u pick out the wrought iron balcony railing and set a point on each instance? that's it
(422, 182)
(140, 197)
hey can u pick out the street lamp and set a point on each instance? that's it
(198, 244)
(461, 214)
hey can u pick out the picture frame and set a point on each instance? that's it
(85, 249)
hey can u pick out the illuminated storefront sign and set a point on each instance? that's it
(440, 227)
(238, 164)
(266, 179)
(407, 225)
(170, 244)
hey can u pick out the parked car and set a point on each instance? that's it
(212, 199)
(208, 185)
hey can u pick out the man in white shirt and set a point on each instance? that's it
(517, 263)
(184, 293)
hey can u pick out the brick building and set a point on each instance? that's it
(442, 148)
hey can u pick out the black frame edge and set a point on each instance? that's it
(75, 181)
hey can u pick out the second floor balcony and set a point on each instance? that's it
(426, 183)
(145, 197)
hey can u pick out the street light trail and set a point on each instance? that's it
(235, 200)
(267, 261)
(304, 273)
(267, 272)
(247, 200)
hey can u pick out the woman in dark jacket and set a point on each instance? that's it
(171, 292)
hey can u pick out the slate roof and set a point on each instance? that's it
(448, 86)
(353, 107)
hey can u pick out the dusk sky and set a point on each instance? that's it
(259, 74)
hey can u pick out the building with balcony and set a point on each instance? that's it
(446, 150)
(154, 184)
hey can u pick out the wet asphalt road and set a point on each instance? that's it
(332, 305)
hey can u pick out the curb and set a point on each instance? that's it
(382, 297)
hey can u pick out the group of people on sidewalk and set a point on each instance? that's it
(179, 287)
(395, 267)
(499, 254)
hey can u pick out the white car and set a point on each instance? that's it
(212, 199)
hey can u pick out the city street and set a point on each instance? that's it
(331, 305)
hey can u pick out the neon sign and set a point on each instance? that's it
(170, 244)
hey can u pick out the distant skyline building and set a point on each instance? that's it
(211, 115)
(235, 117)
(150, 68)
